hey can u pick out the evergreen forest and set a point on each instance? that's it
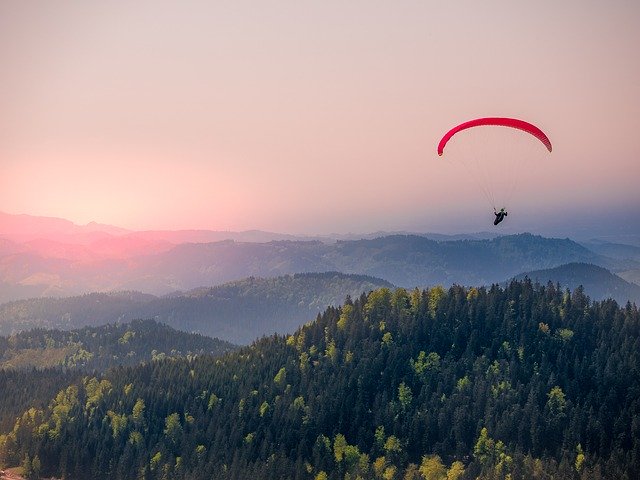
(525, 381)
(102, 347)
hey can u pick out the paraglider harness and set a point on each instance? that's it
(499, 216)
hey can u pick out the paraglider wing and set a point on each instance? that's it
(497, 121)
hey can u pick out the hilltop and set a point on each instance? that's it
(599, 283)
(102, 347)
(238, 312)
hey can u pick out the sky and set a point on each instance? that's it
(315, 117)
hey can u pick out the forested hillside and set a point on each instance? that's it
(599, 283)
(238, 312)
(34, 364)
(524, 382)
(103, 347)
(21, 389)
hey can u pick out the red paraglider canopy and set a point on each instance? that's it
(498, 121)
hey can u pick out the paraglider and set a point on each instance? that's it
(496, 121)
(482, 157)
(499, 216)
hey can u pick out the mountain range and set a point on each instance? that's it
(152, 264)
(247, 309)
(487, 378)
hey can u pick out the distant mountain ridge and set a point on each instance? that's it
(237, 311)
(410, 260)
(24, 228)
(161, 262)
(599, 283)
(614, 250)
(404, 260)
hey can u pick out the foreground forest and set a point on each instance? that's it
(528, 381)
(36, 363)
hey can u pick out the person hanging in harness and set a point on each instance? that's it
(499, 215)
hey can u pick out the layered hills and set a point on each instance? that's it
(522, 382)
(238, 312)
(404, 260)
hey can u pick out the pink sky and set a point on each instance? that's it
(309, 117)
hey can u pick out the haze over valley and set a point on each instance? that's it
(241, 286)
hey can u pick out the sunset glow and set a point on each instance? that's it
(309, 118)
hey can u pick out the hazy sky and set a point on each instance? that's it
(311, 117)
